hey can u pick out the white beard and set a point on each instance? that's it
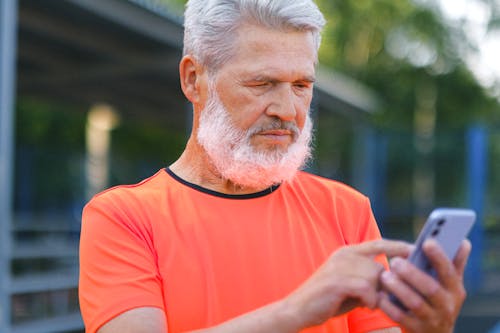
(233, 156)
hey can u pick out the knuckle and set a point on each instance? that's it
(341, 251)
(433, 288)
(417, 305)
(462, 294)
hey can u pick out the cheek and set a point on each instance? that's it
(250, 111)
(247, 113)
(302, 112)
(243, 109)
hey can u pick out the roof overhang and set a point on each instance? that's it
(126, 53)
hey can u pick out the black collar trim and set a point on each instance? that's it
(223, 195)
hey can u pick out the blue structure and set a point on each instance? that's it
(495, 329)
(8, 27)
(477, 161)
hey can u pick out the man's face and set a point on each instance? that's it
(270, 77)
(252, 125)
(231, 151)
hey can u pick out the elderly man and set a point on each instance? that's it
(232, 237)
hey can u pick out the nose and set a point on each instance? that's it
(282, 105)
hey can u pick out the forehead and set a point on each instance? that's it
(260, 49)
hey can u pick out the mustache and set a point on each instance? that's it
(276, 124)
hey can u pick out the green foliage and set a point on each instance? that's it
(148, 140)
(50, 141)
(142, 146)
(44, 124)
(396, 46)
(50, 152)
(356, 30)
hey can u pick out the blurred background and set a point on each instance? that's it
(407, 110)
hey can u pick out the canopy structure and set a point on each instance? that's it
(124, 53)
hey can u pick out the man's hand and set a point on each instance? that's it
(433, 305)
(348, 279)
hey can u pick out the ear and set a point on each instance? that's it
(192, 77)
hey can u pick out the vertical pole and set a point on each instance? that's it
(379, 204)
(364, 155)
(8, 37)
(369, 168)
(477, 149)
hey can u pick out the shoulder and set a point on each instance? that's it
(340, 205)
(327, 194)
(131, 205)
(126, 210)
(132, 194)
(317, 185)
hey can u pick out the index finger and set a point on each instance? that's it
(391, 248)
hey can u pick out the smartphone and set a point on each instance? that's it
(449, 227)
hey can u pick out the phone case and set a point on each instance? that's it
(448, 226)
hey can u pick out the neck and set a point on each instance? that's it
(194, 166)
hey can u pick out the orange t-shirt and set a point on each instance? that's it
(206, 257)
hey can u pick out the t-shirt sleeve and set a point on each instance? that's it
(362, 320)
(118, 263)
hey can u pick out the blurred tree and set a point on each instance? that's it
(409, 56)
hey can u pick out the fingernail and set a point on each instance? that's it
(430, 244)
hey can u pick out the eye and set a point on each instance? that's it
(260, 84)
(304, 83)
(302, 86)
(260, 87)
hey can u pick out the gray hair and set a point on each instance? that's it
(210, 26)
